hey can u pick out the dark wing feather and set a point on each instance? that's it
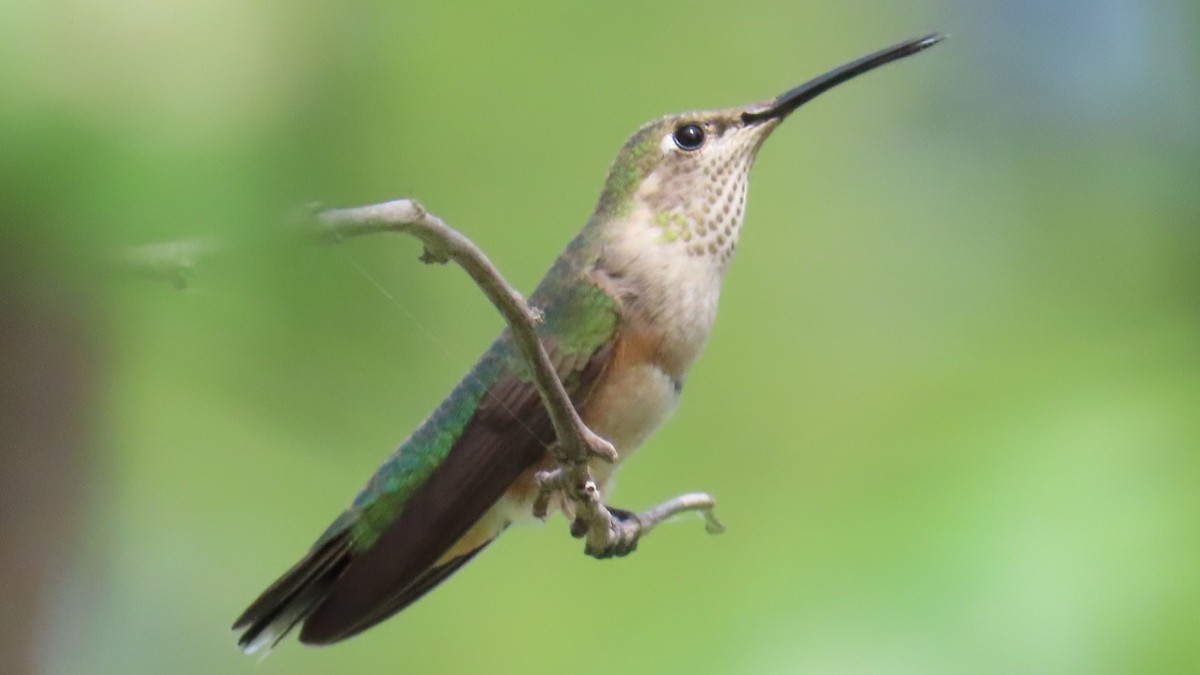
(424, 583)
(508, 434)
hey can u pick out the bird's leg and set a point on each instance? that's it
(610, 531)
(625, 529)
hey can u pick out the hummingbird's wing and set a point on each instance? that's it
(382, 554)
(508, 434)
(386, 550)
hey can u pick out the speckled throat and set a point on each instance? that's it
(701, 201)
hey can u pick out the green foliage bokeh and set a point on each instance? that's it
(949, 409)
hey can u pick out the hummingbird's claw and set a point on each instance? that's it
(625, 530)
(579, 527)
(621, 515)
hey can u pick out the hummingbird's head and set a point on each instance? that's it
(686, 175)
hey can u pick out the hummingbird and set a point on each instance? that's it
(626, 310)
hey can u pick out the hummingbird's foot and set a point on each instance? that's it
(609, 531)
(625, 529)
(621, 515)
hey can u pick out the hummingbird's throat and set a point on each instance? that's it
(710, 231)
(700, 208)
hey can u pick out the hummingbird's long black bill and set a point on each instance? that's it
(788, 101)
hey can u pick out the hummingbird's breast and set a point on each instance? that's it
(636, 394)
(669, 290)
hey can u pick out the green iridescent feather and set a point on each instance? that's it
(634, 162)
(578, 315)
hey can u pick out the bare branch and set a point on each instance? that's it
(696, 501)
(605, 535)
(576, 443)
(608, 531)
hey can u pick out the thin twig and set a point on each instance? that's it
(576, 444)
(696, 501)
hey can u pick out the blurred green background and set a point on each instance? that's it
(950, 410)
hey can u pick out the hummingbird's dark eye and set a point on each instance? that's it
(689, 136)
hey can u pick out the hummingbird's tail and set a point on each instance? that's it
(289, 601)
(294, 595)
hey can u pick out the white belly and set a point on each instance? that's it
(626, 410)
(631, 405)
